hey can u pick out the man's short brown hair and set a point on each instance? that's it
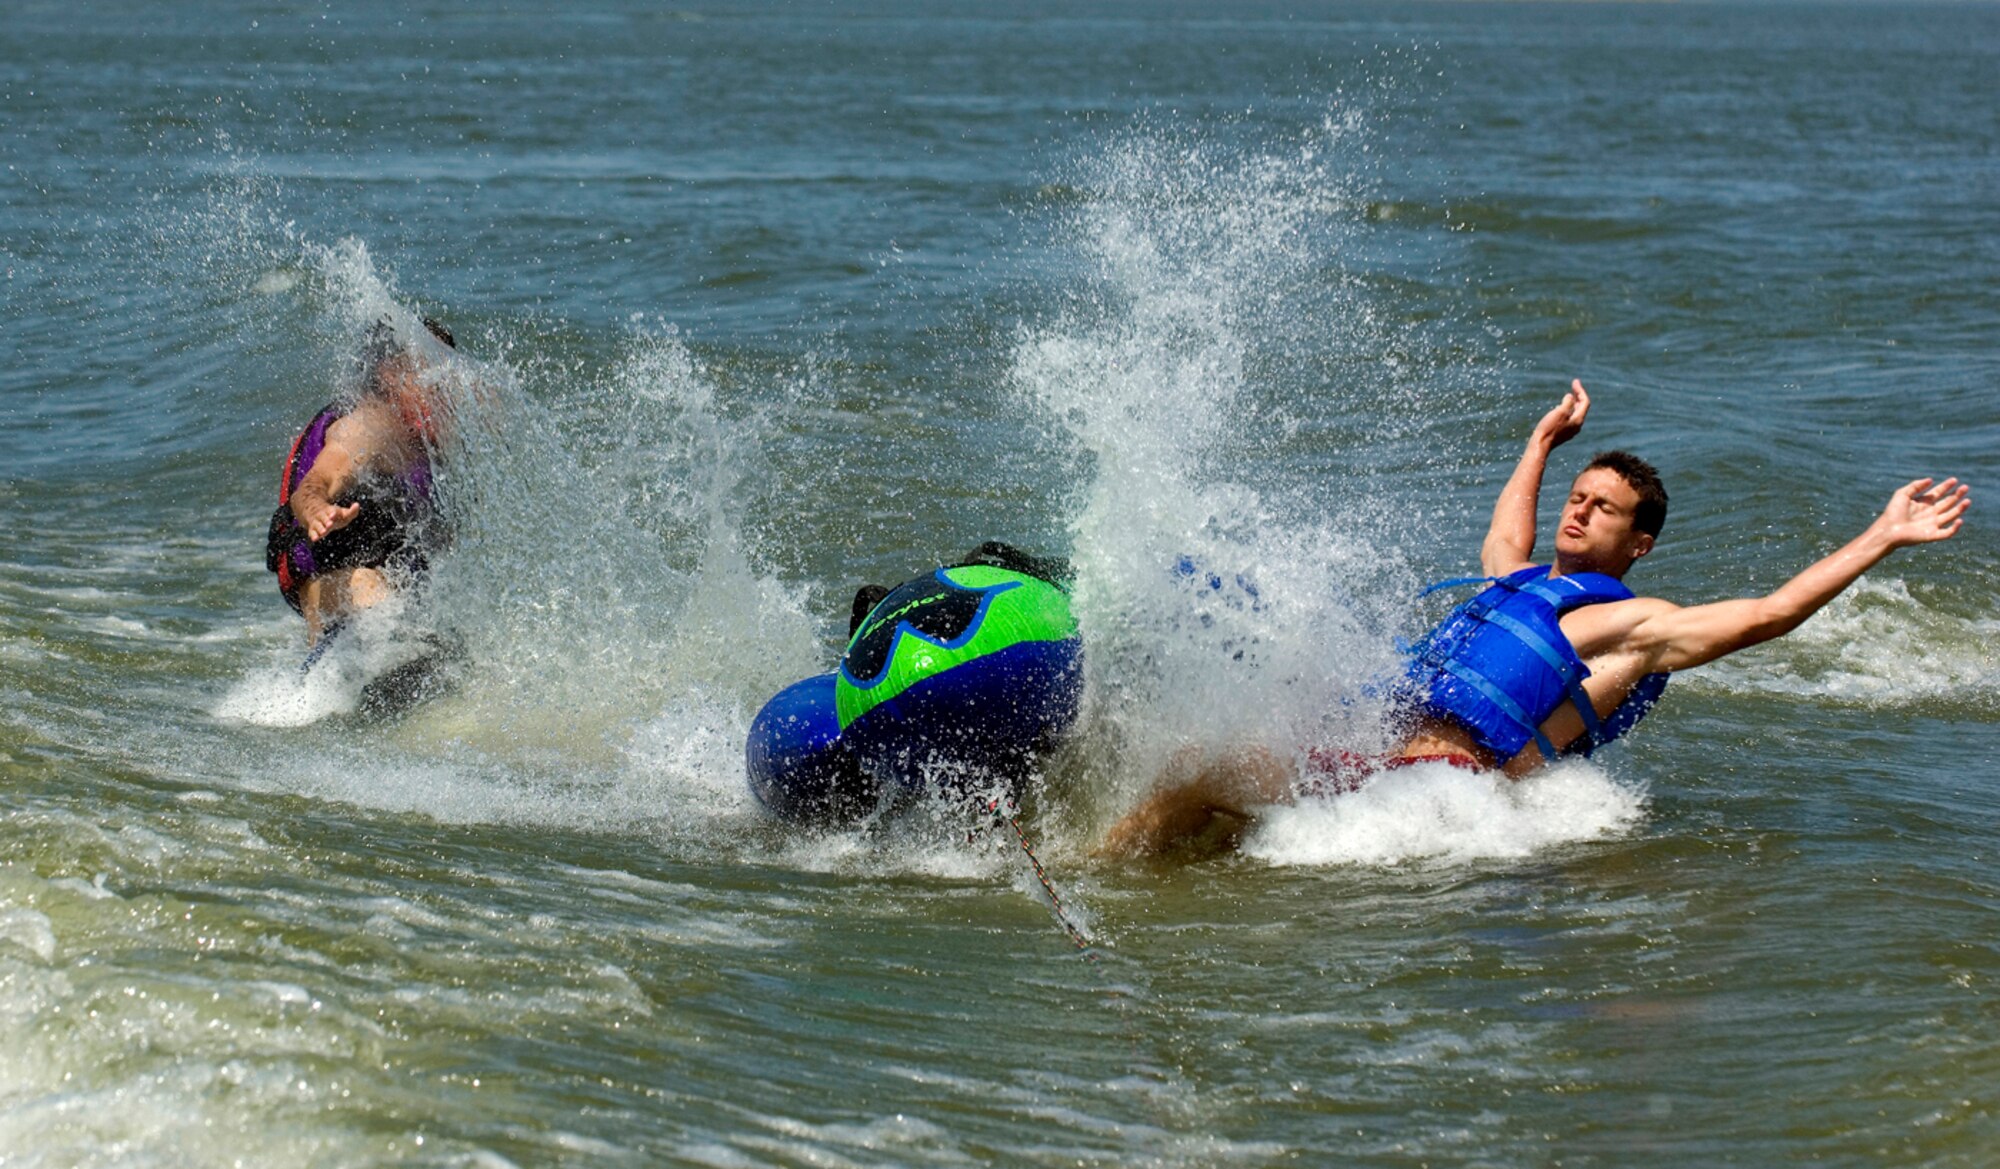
(1642, 477)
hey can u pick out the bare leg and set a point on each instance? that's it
(329, 598)
(1192, 793)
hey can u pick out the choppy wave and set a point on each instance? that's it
(1878, 644)
(1491, 216)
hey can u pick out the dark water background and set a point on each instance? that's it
(770, 300)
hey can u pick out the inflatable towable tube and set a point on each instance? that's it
(962, 675)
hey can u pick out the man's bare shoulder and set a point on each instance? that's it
(1603, 628)
(370, 432)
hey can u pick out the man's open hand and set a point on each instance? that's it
(1561, 424)
(1922, 511)
(322, 518)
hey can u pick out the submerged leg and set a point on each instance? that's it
(330, 598)
(1193, 793)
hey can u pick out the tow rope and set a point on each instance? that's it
(1063, 918)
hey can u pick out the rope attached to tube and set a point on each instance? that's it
(1063, 918)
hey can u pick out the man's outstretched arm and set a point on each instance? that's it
(1510, 538)
(1920, 512)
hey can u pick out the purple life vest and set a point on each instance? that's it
(395, 523)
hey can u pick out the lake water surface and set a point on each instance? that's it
(770, 300)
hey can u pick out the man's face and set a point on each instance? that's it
(417, 402)
(1595, 533)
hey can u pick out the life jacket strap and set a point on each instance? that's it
(291, 461)
(1504, 701)
(1459, 582)
(1572, 676)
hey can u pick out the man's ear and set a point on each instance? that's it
(1642, 543)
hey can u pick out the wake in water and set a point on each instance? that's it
(1877, 644)
(615, 634)
(612, 627)
(1240, 576)
(353, 669)
(1228, 598)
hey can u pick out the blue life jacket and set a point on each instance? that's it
(1499, 664)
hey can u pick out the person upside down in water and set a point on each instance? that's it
(1548, 660)
(356, 516)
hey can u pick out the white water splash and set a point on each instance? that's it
(281, 694)
(616, 630)
(1213, 612)
(29, 930)
(1438, 813)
